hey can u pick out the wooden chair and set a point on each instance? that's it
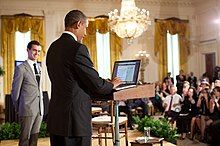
(104, 124)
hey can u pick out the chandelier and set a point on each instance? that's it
(131, 22)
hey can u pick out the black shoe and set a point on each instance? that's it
(203, 140)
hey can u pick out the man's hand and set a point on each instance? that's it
(116, 81)
(175, 104)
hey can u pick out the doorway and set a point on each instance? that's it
(210, 65)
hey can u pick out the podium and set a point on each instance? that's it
(140, 91)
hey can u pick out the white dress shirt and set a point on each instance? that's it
(70, 33)
(176, 100)
(31, 63)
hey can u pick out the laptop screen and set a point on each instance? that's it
(127, 71)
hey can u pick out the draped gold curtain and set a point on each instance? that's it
(22, 23)
(174, 26)
(90, 41)
(100, 24)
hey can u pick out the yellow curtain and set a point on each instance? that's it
(11, 24)
(90, 41)
(100, 24)
(8, 51)
(115, 42)
(160, 45)
(38, 34)
(174, 26)
(116, 48)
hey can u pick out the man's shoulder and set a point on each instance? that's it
(22, 66)
(177, 95)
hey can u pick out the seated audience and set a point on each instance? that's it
(193, 110)
(157, 101)
(203, 105)
(215, 126)
(214, 108)
(172, 104)
(186, 113)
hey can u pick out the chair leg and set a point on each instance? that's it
(106, 136)
(126, 133)
(99, 136)
(113, 133)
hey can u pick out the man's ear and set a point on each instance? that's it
(78, 24)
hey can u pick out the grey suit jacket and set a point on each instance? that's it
(26, 95)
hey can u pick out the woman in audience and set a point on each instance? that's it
(203, 105)
(215, 126)
(157, 101)
(187, 111)
(192, 94)
(213, 107)
(165, 90)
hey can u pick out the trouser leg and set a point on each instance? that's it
(33, 139)
(30, 126)
(26, 123)
(57, 140)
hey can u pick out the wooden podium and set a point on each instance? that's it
(141, 91)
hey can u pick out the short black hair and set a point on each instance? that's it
(73, 17)
(32, 43)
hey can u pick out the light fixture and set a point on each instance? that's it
(131, 22)
(144, 57)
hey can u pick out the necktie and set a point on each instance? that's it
(171, 100)
(36, 74)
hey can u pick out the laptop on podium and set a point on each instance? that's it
(127, 71)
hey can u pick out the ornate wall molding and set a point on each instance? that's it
(181, 3)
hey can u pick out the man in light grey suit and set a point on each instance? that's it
(27, 96)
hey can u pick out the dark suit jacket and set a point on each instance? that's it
(73, 80)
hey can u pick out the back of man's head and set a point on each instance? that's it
(73, 17)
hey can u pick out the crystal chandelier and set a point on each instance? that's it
(131, 22)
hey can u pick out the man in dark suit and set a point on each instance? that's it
(192, 80)
(27, 96)
(179, 82)
(73, 80)
(168, 79)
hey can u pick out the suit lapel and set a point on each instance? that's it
(28, 68)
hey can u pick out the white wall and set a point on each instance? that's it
(207, 35)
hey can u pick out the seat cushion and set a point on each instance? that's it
(107, 119)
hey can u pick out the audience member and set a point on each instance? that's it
(215, 126)
(203, 105)
(193, 110)
(157, 101)
(192, 80)
(168, 79)
(180, 79)
(216, 75)
(186, 113)
(172, 104)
